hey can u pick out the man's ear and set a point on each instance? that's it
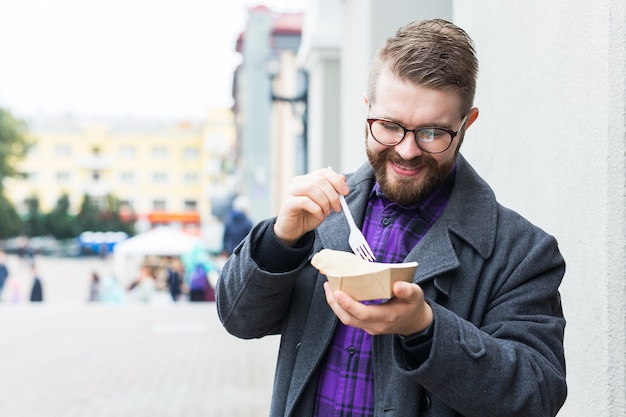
(471, 118)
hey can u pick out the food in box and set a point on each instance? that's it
(361, 279)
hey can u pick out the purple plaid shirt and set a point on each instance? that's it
(346, 384)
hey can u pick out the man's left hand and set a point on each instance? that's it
(406, 313)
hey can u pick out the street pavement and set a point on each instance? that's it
(66, 357)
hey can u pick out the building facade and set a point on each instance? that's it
(270, 108)
(154, 172)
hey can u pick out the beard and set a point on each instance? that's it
(407, 190)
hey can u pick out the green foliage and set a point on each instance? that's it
(14, 143)
(34, 224)
(89, 216)
(112, 219)
(59, 223)
(10, 221)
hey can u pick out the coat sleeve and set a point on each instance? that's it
(252, 302)
(505, 356)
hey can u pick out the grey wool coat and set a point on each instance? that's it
(491, 278)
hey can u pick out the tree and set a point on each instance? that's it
(10, 222)
(113, 219)
(33, 225)
(59, 222)
(14, 143)
(89, 217)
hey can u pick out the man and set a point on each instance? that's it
(236, 226)
(480, 330)
(4, 272)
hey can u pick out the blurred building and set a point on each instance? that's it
(154, 172)
(270, 93)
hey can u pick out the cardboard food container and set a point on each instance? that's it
(360, 279)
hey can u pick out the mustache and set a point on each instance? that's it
(424, 160)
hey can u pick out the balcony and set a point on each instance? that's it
(95, 162)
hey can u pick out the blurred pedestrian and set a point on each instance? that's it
(111, 291)
(36, 292)
(237, 225)
(143, 289)
(200, 288)
(94, 287)
(175, 274)
(4, 272)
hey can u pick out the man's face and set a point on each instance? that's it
(406, 173)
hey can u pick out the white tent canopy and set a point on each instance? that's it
(161, 241)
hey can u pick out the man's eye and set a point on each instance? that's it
(391, 126)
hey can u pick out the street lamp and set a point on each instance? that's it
(273, 71)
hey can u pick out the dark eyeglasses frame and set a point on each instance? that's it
(452, 133)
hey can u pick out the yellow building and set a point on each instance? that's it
(158, 172)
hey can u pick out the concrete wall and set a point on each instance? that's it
(551, 140)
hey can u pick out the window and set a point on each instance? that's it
(191, 153)
(158, 205)
(127, 177)
(63, 176)
(62, 150)
(159, 177)
(191, 178)
(124, 205)
(191, 205)
(128, 152)
(159, 152)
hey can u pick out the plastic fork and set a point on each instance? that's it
(356, 239)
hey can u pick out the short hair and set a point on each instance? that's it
(430, 53)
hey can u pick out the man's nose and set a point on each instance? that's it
(408, 148)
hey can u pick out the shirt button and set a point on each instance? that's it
(351, 350)
(386, 221)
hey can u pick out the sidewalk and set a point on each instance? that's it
(69, 358)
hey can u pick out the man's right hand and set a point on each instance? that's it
(311, 198)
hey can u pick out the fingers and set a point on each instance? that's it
(322, 187)
(311, 198)
(406, 291)
(343, 305)
(406, 313)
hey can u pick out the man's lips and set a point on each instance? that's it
(404, 169)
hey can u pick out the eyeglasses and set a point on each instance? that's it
(428, 139)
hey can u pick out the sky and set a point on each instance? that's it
(121, 58)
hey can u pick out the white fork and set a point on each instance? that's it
(356, 239)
